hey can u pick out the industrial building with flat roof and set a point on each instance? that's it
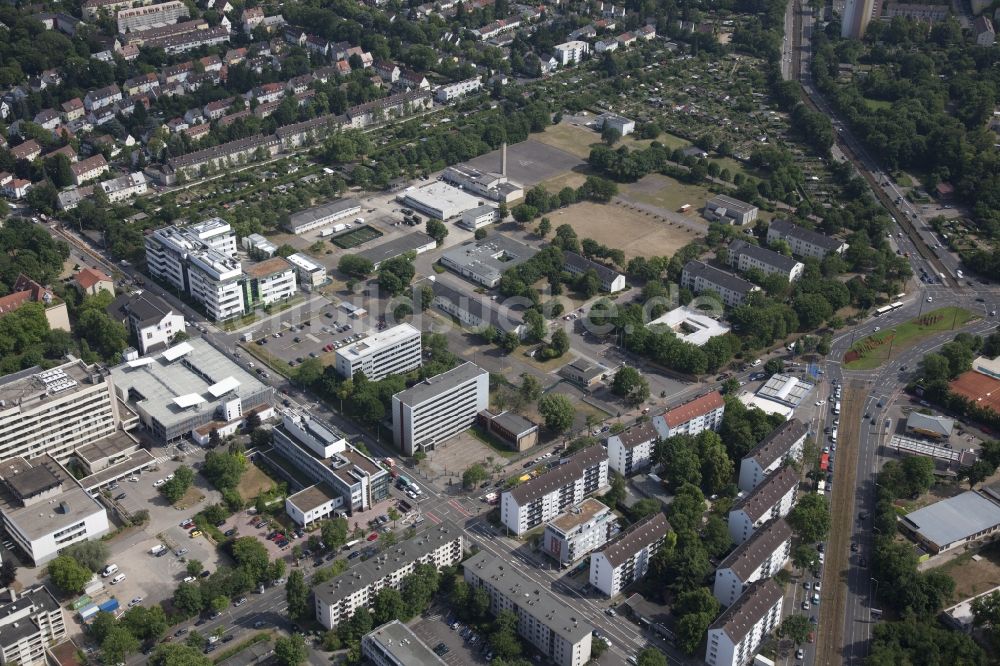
(316, 217)
(953, 522)
(475, 311)
(515, 430)
(690, 325)
(786, 390)
(493, 186)
(439, 200)
(417, 242)
(189, 385)
(336, 601)
(730, 210)
(439, 407)
(393, 644)
(558, 631)
(394, 351)
(485, 261)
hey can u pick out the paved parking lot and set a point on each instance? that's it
(433, 630)
(307, 334)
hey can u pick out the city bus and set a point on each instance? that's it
(888, 308)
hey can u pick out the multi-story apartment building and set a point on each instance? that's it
(320, 452)
(439, 407)
(541, 499)
(570, 53)
(153, 321)
(783, 443)
(737, 634)
(45, 509)
(729, 210)
(141, 18)
(102, 97)
(804, 242)
(761, 556)
(394, 644)
(555, 629)
(611, 280)
(857, 15)
(30, 621)
(270, 281)
(700, 277)
(626, 559)
(579, 531)
(201, 260)
(390, 352)
(452, 91)
(224, 155)
(28, 150)
(55, 411)
(773, 498)
(632, 451)
(88, 169)
(690, 418)
(124, 187)
(745, 257)
(441, 545)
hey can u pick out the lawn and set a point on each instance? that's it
(973, 576)
(190, 498)
(873, 350)
(667, 193)
(877, 104)
(253, 482)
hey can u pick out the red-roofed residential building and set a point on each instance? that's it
(91, 281)
(690, 418)
(73, 109)
(28, 150)
(26, 290)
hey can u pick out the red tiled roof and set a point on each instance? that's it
(88, 277)
(693, 409)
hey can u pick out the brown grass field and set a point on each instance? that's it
(577, 140)
(253, 482)
(635, 233)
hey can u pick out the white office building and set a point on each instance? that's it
(541, 499)
(45, 509)
(690, 418)
(30, 622)
(311, 274)
(549, 625)
(570, 53)
(393, 351)
(632, 451)
(441, 545)
(268, 282)
(737, 634)
(321, 216)
(700, 277)
(783, 443)
(579, 531)
(626, 559)
(759, 557)
(439, 407)
(773, 498)
(55, 411)
(730, 211)
(480, 216)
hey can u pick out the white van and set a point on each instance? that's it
(117, 579)
(109, 570)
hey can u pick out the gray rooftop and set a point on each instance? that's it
(385, 563)
(636, 435)
(763, 254)
(144, 306)
(778, 442)
(434, 386)
(759, 598)
(514, 423)
(748, 555)
(118, 443)
(789, 230)
(477, 305)
(398, 246)
(490, 257)
(941, 425)
(395, 638)
(39, 598)
(559, 476)
(29, 388)
(719, 278)
(28, 478)
(313, 497)
(955, 518)
(636, 537)
(576, 263)
(530, 596)
(63, 510)
(759, 500)
(310, 215)
(729, 203)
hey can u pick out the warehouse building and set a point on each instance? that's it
(484, 262)
(439, 200)
(321, 216)
(953, 522)
(439, 407)
(417, 242)
(513, 429)
(729, 210)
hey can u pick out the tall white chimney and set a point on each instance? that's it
(503, 159)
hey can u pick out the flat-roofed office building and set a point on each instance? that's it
(582, 529)
(439, 407)
(393, 351)
(394, 644)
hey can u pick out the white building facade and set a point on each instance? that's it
(690, 418)
(579, 531)
(737, 634)
(773, 498)
(393, 351)
(626, 559)
(760, 557)
(30, 621)
(632, 451)
(783, 443)
(439, 407)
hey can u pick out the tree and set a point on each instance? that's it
(696, 609)
(979, 472)
(220, 603)
(394, 275)
(795, 628)
(224, 469)
(504, 640)
(69, 575)
(8, 572)
(616, 494)
(91, 554)
(535, 323)
(557, 412)
(559, 344)
(530, 389)
(309, 372)
(194, 567)
(473, 476)
(291, 650)
(610, 135)
(355, 266)
(810, 518)
(631, 385)
(118, 644)
(805, 557)
(175, 488)
(436, 230)
(652, 657)
(146, 624)
(178, 654)
(251, 555)
(334, 532)
(297, 595)
(187, 598)
(388, 605)
(276, 570)
(544, 227)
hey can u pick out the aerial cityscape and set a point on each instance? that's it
(475, 332)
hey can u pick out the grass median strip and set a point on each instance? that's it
(874, 350)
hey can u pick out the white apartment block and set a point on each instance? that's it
(782, 443)
(268, 282)
(737, 634)
(626, 559)
(141, 18)
(55, 411)
(30, 621)
(559, 632)
(632, 451)
(804, 242)
(541, 499)
(125, 187)
(700, 277)
(441, 545)
(153, 320)
(772, 499)
(703, 413)
(439, 407)
(571, 53)
(393, 351)
(759, 557)
(579, 531)
(745, 257)
(452, 91)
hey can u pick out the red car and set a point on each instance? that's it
(373, 536)
(278, 537)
